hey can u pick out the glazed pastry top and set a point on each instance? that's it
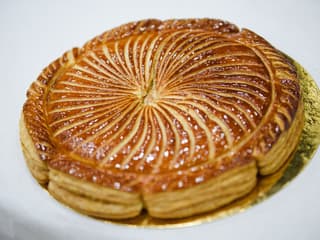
(162, 105)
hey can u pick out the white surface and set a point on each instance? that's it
(33, 33)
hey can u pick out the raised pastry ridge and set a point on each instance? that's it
(34, 132)
(161, 106)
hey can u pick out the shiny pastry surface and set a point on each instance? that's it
(159, 107)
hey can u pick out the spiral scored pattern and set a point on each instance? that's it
(176, 117)
(158, 102)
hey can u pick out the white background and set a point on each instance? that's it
(33, 33)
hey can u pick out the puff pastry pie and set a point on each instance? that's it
(177, 117)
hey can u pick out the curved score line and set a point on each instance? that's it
(113, 74)
(124, 141)
(78, 123)
(177, 142)
(140, 142)
(96, 110)
(185, 125)
(164, 140)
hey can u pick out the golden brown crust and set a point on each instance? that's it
(94, 207)
(283, 147)
(37, 167)
(246, 105)
(210, 195)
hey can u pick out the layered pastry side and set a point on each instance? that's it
(176, 117)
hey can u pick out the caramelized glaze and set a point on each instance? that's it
(157, 106)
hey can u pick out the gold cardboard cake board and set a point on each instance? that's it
(268, 185)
